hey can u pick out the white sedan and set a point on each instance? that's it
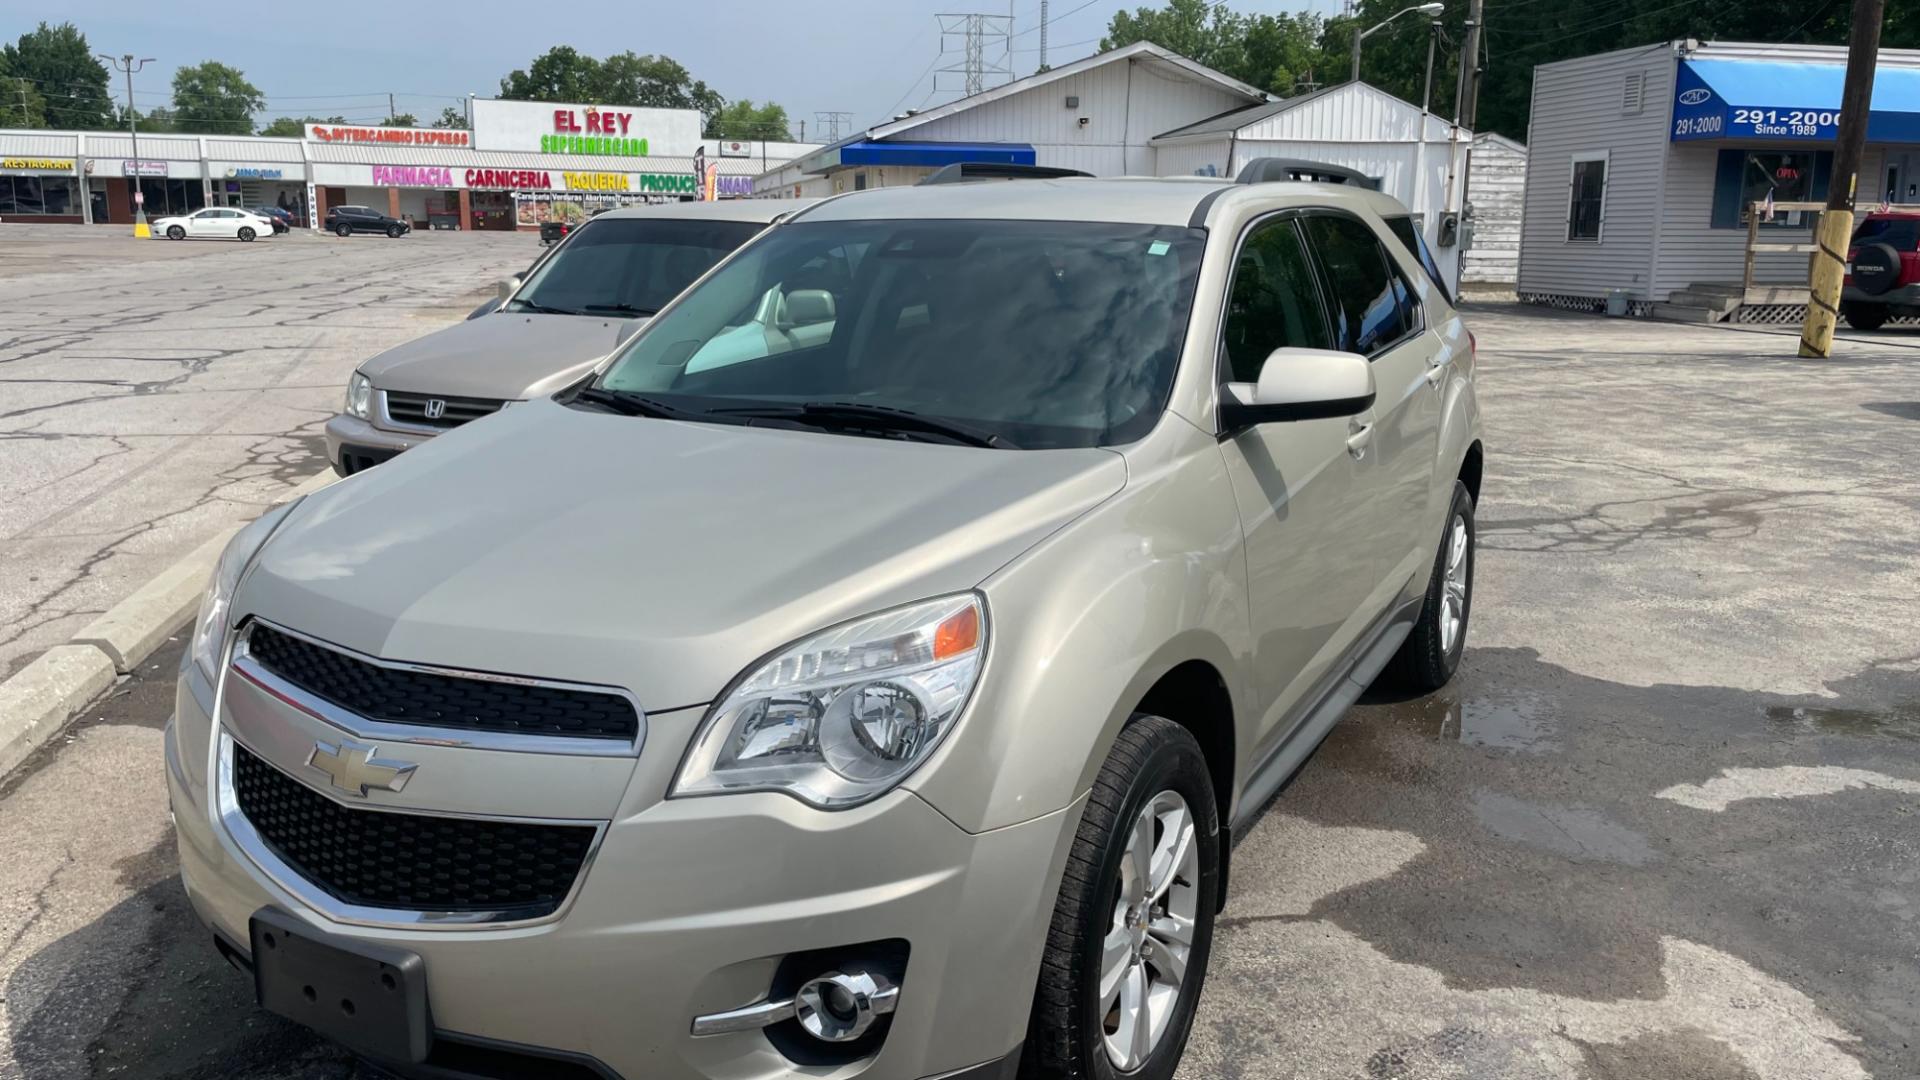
(221, 222)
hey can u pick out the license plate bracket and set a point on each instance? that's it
(370, 998)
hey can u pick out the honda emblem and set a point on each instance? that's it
(435, 408)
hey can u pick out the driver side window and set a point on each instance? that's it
(1274, 302)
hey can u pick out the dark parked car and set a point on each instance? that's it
(347, 220)
(282, 221)
(552, 232)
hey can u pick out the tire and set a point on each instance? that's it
(1865, 316)
(175, 232)
(343, 230)
(1155, 769)
(1431, 653)
(394, 232)
(246, 235)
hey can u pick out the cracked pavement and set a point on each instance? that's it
(153, 392)
(1662, 824)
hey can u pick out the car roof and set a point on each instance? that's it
(721, 210)
(1178, 200)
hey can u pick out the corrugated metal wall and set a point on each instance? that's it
(1495, 191)
(38, 144)
(152, 147)
(1125, 105)
(1580, 107)
(1191, 157)
(285, 150)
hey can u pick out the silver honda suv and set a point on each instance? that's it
(874, 690)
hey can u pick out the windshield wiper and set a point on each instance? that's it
(622, 309)
(855, 416)
(629, 403)
(528, 305)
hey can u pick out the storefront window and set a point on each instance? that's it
(1785, 174)
(169, 196)
(33, 196)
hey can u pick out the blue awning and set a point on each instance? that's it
(882, 152)
(1772, 99)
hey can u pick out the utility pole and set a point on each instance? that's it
(1043, 35)
(1836, 224)
(128, 65)
(389, 108)
(1466, 100)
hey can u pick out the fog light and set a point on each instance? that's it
(838, 1007)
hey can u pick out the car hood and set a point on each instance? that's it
(507, 355)
(658, 555)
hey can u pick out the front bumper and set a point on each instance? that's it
(687, 909)
(354, 444)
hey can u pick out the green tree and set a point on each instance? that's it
(60, 66)
(214, 99)
(563, 73)
(452, 117)
(294, 127)
(405, 119)
(21, 106)
(1276, 53)
(744, 120)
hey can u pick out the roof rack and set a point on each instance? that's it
(1268, 170)
(964, 171)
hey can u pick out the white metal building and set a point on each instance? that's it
(1099, 115)
(1496, 185)
(1643, 164)
(1354, 125)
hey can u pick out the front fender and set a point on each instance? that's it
(1085, 622)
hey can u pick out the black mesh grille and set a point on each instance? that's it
(414, 409)
(385, 859)
(415, 697)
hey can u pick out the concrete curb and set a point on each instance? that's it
(40, 699)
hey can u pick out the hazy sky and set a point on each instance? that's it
(867, 57)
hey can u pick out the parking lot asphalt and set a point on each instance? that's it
(153, 392)
(1664, 825)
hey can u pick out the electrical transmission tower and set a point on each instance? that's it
(986, 48)
(833, 125)
(1043, 35)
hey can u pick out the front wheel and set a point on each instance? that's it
(1133, 927)
(1431, 653)
(175, 232)
(1864, 316)
(246, 235)
(394, 231)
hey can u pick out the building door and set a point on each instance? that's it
(1902, 177)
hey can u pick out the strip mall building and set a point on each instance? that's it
(524, 162)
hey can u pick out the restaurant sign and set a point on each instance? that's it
(412, 176)
(37, 164)
(596, 181)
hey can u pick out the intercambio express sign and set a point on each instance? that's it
(548, 127)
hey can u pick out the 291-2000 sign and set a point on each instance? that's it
(1790, 122)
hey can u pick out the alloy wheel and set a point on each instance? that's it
(1453, 591)
(1143, 959)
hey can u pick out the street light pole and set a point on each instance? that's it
(126, 64)
(1360, 35)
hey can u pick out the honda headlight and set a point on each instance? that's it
(845, 715)
(359, 395)
(210, 628)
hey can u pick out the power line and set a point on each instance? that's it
(1058, 17)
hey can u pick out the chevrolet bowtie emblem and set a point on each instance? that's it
(353, 768)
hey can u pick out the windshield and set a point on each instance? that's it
(1045, 333)
(629, 266)
(1902, 232)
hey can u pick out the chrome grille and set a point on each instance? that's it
(419, 409)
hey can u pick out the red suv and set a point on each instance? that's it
(1883, 270)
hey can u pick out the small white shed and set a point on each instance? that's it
(1496, 187)
(1354, 125)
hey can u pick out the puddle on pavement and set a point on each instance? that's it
(1576, 832)
(1899, 722)
(1514, 721)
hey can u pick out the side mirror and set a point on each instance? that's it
(1299, 384)
(486, 308)
(508, 285)
(808, 307)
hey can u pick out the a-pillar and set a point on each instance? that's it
(466, 209)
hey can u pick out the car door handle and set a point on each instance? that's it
(1359, 435)
(1437, 373)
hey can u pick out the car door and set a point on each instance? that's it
(1299, 488)
(204, 223)
(1377, 313)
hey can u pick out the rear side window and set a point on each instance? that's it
(1372, 306)
(1902, 233)
(1409, 234)
(1275, 302)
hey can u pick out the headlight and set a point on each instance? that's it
(210, 628)
(845, 715)
(359, 395)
